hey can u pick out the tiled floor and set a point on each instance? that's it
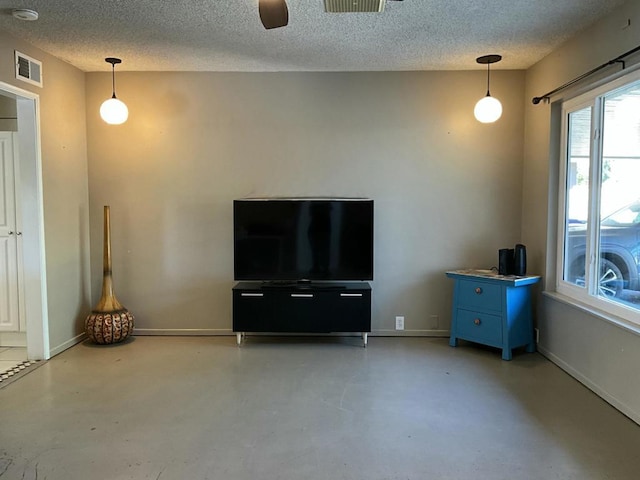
(10, 358)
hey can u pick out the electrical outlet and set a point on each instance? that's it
(399, 323)
(434, 322)
(537, 332)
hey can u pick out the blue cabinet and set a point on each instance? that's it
(494, 310)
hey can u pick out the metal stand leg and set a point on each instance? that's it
(364, 339)
(239, 336)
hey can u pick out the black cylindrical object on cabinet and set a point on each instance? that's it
(520, 260)
(505, 261)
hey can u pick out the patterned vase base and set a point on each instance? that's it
(109, 327)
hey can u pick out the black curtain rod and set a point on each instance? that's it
(619, 59)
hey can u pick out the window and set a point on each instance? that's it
(599, 245)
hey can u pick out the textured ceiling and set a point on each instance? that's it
(226, 35)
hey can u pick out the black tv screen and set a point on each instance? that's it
(303, 239)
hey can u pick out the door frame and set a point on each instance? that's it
(32, 209)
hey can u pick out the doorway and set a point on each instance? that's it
(28, 194)
(12, 325)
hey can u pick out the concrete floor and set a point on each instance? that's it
(307, 408)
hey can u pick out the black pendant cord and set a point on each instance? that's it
(488, 75)
(488, 60)
(113, 61)
(113, 80)
(618, 59)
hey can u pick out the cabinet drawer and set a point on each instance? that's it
(479, 327)
(300, 311)
(252, 311)
(351, 312)
(479, 295)
(335, 307)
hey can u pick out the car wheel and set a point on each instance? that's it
(610, 283)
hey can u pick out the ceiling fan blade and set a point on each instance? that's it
(273, 13)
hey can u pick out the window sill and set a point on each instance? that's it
(619, 322)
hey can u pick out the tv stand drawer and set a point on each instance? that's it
(306, 309)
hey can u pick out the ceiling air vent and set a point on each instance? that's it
(28, 69)
(353, 6)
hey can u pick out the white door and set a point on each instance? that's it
(9, 237)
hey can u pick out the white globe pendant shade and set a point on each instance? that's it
(114, 111)
(488, 109)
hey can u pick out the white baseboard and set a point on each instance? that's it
(68, 344)
(225, 331)
(183, 331)
(622, 407)
(410, 333)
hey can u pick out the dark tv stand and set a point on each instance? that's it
(302, 308)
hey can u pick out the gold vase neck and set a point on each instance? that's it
(108, 301)
(106, 259)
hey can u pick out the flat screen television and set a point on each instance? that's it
(303, 239)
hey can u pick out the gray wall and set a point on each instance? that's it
(65, 187)
(601, 355)
(447, 189)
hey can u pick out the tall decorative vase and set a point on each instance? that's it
(109, 322)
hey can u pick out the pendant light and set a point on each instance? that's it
(488, 109)
(114, 111)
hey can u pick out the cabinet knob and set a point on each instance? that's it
(10, 233)
(477, 321)
(478, 290)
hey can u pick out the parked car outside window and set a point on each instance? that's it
(619, 273)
